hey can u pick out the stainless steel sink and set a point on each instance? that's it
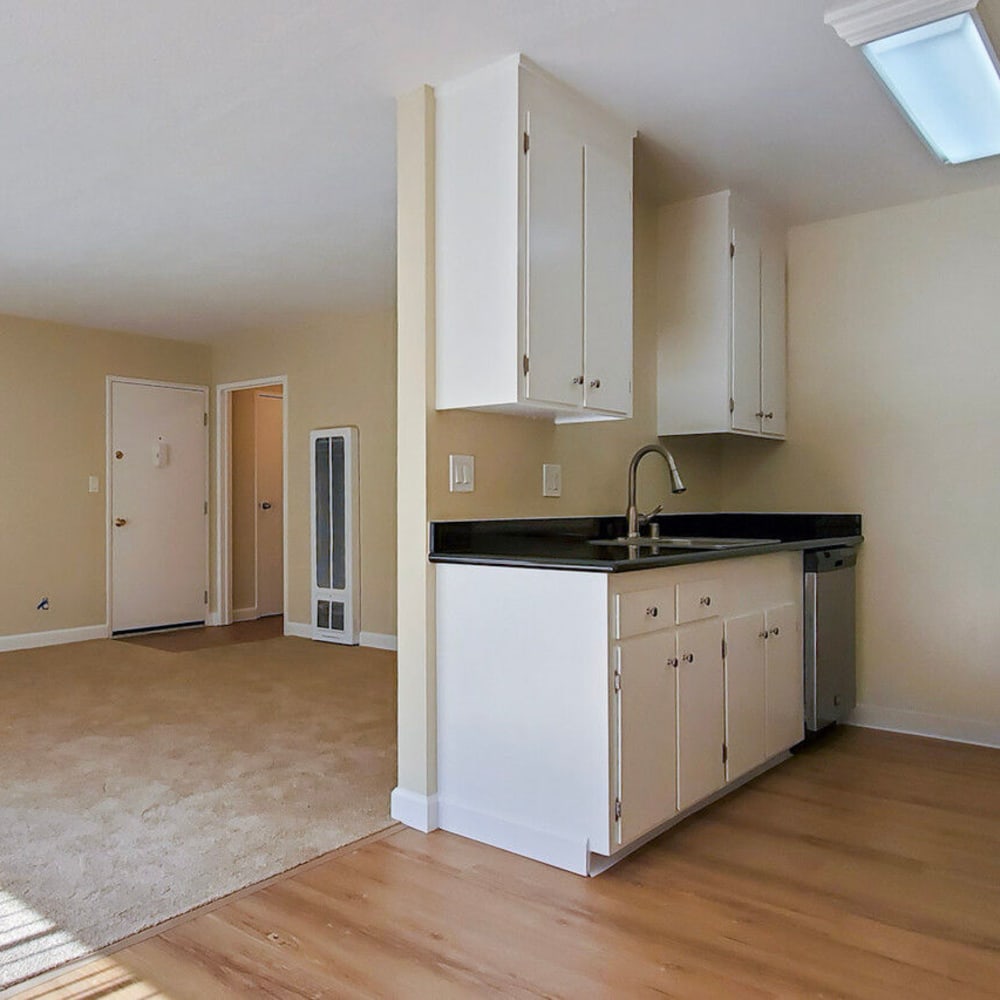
(668, 542)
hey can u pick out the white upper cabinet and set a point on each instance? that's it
(533, 248)
(721, 319)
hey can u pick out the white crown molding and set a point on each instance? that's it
(861, 21)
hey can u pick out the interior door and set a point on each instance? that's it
(270, 504)
(159, 505)
(701, 723)
(554, 253)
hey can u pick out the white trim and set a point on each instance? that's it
(378, 640)
(109, 382)
(224, 489)
(861, 21)
(300, 630)
(211, 621)
(245, 614)
(55, 637)
(980, 732)
(414, 810)
(550, 848)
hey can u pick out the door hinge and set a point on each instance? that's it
(525, 364)
(732, 405)
(206, 597)
(205, 420)
(725, 754)
(527, 143)
(618, 809)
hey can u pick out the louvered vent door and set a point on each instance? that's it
(334, 482)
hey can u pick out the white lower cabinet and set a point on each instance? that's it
(579, 714)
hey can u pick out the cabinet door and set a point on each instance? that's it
(607, 317)
(772, 334)
(784, 718)
(700, 712)
(554, 262)
(646, 703)
(745, 694)
(745, 319)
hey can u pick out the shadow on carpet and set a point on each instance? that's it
(138, 784)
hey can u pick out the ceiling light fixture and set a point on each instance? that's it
(936, 60)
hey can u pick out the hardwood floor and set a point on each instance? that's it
(868, 866)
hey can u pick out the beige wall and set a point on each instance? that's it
(52, 437)
(894, 411)
(341, 371)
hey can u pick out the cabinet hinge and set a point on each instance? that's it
(618, 809)
(732, 405)
(205, 420)
(725, 754)
(618, 681)
(725, 648)
(206, 597)
(732, 249)
(527, 143)
(206, 506)
(525, 364)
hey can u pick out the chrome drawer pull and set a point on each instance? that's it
(706, 601)
(688, 657)
(652, 612)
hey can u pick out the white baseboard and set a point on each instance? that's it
(244, 614)
(56, 637)
(940, 727)
(299, 629)
(417, 811)
(377, 640)
(541, 845)
(213, 619)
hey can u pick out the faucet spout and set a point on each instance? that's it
(676, 484)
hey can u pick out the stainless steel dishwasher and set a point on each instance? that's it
(830, 682)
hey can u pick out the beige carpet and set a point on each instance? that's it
(137, 783)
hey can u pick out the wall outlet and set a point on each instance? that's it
(551, 480)
(461, 473)
(93, 485)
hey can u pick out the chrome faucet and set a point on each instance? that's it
(676, 486)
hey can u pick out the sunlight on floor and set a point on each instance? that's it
(25, 935)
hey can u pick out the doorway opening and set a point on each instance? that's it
(251, 526)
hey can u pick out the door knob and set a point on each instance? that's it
(265, 505)
(120, 522)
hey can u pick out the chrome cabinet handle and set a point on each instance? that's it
(775, 630)
(759, 414)
(706, 601)
(652, 612)
(595, 383)
(769, 416)
(120, 522)
(265, 505)
(688, 657)
(672, 661)
(761, 635)
(576, 380)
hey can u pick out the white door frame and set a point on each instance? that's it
(224, 492)
(109, 499)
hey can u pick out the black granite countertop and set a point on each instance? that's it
(585, 543)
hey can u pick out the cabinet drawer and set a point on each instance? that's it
(698, 599)
(644, 611)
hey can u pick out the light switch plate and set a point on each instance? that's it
(551, 480)
(462, 473)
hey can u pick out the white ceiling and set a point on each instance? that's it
(193, 167)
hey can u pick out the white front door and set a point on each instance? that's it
(270, 505)
(159, 494)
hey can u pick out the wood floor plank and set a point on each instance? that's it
(867, 867)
